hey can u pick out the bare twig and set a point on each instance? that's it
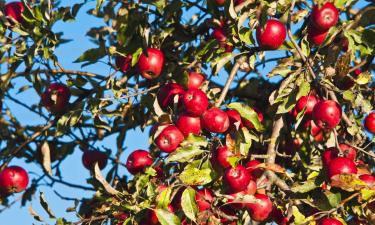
(91, 219)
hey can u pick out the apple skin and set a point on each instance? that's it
(251, 167)
(138, 160)
(56, 98)
(195, 102)
(121, 218)
(341, 165)
(169, 139)
(189, 124)
(151, 66)
(195, 80)
(215, 120)
(272, 35)
(327, 114)
(329, 221)
(307, 102)
(167, 92)
(14, 10)
(315, 36)
(124, 63)
(220, 2)
(261, 210)
(332, 153)
(278, 217)
(204, 198)
(370, 122)
(324, 17)
(222, 155)
(90, 157)
(368, 179)
(237, 178)
(248, 123)
(219, 34)
(13, 179)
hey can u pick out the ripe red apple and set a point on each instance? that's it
(169, 139)
(124, 63)
(56, 98)
(195, 80)
(324, 17)
(138, 161)
(368, 179)
(219, 34)
(316, 36)
(251, 167)
(215, 120)
(204, 198)
(188, 124)
(89, 158)
(248, 123)
(370, 122)
(332, 153)
(167, 93)
(237, 178)
(327, 114)
(14, 10)
(341, 165)
(234, 118)
(306, 102)
(272, 35)
(222, 156)
(195, 102)
(151, 65)
(260, 210)
(13, 179)
(329, 221)
(250, 190)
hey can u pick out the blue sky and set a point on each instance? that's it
(73, 170)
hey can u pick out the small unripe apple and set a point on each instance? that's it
(307, 103)
(327, 114)
(215, 120)
(89, 158)
(330, 221)
(260, 210)
(237, 178)
(248, 123)
(195, 102)
(188, 124)
(315, 36)
(56, 98)
(14, 10)
(324, 17)
(167, 93)
(151, 65)
(138, 160)
(124, 63)
(370, 122)
(13, 179)
(222, 156)
(368, 179)
(195, 80)
(251, 167)
(204, 198)
(169, 139)
(341, 165)
(272, 35)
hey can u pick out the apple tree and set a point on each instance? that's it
(229, 143)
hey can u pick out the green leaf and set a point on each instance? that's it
(164, 198)
(167, 218)
(299, 218)
(334, 199)
(196, 173)
(92, 55)
(348, 95)
(195, 140)
(248, 113)
(189, 204)
(221, 61)
(367, 194)
(364, 78)
(307, 186)
(303, 90)
(184, 154)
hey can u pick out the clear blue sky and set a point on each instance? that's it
(72, 168)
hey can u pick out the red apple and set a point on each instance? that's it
(169, 139)
(278, 217)
(13, 179)
(167, 93)
(250, 190)
(14, 10)
(237, 178)
(219, 34)
(222, 156)
(215, 120)
(324, 17)
(332, 153)
(220, 2)
(138, 160)
(308, 103)
(124, 63)
(329, 221)
(151, 65)
(195, 102)
(56, 98)
(341, 165)
(315, 36)
(195, 80)
(251, 167)
(370, 122)
(188, 124)
(121, 218)
(272, 35)
(248, 123)
(368, 179)
(234, 118)
(327, 114)
(89, 158)
(204, 198)
(260, 210)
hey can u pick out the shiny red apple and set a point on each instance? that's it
(324, 17)
(169, 139)
(327, 114)
(138, 160)
(272, 35)
(151, 63)
(215, 120)
(195, 102)
(90, 157)
(13, 179)
(56, 98)
(188, 124)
